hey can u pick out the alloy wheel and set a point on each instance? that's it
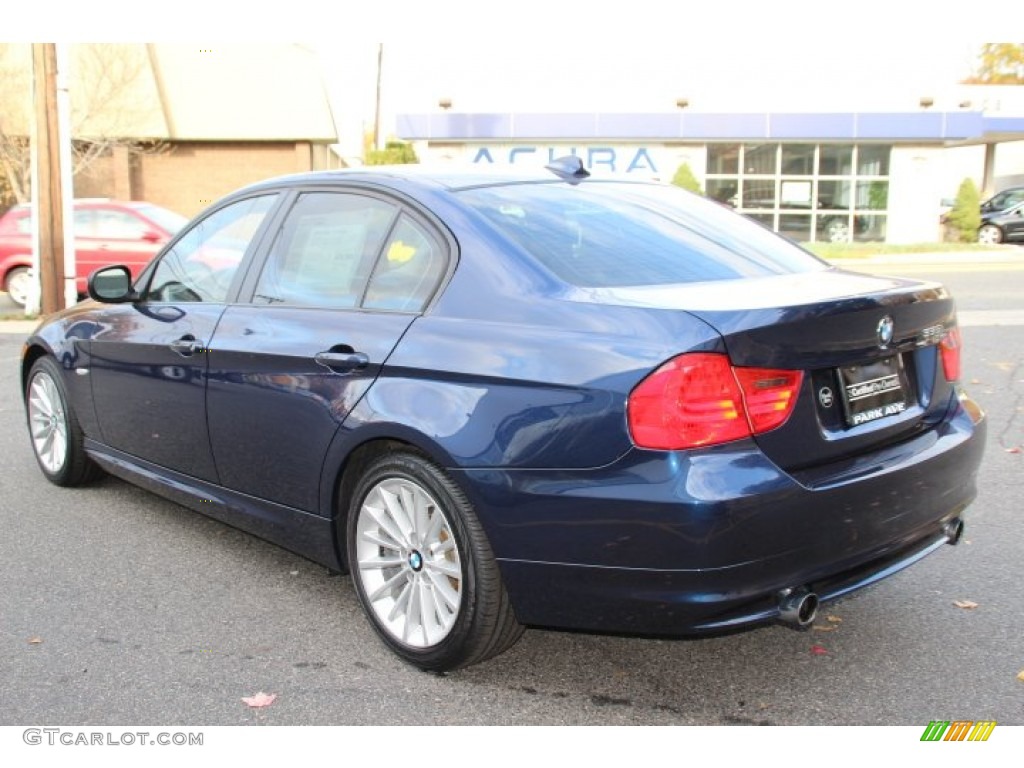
(48, 422)
(408, 563)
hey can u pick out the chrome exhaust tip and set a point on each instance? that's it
(954, 530)
(798, 607)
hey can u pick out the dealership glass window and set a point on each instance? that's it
(723, 190)
(759, 159)
(795, 226)
(843, 188)
(798, 159)
(873, 160)
(724, 158)
(758, 194)
(835, 160)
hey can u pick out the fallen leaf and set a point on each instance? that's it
(965, 604)
(834, 619)
(35, 640)
(1020, 675)
(1013, 450)
(820, 628)
(975, 381)
(260, 699)
(817, 650)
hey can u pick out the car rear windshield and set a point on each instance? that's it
(169, 220)
(604, 234)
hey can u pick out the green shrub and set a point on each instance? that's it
(965, 217)
(684, 178)
(394, 153)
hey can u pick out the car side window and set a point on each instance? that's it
(325, 250)
(203, 262)
(116, 225)
(408, 271)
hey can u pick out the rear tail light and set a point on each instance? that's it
(700, 399)
(949, 348)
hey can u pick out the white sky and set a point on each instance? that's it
(578, 55)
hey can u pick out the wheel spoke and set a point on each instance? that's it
(398, 514)
(412, 616)
(385, 540)
(446, 567)
(421, 515)
(386, 587)
(402, 602)
(433, 628)
(443, 587)
(382, 562)
(386, 523)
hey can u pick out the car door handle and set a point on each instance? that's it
(342, 361)
(187, 346)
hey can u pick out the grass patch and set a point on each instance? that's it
(862, 250)
(18, 316)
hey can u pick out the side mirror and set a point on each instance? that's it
(152, 236)
(112, 285)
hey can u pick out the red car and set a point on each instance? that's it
(106, 232)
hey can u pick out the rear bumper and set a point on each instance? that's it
(674, 544)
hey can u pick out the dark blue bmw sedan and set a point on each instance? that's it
(501, 401)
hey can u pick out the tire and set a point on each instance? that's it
(57, 439)
(837, 231)
(435, 558)
(990, 234)
(18, 284)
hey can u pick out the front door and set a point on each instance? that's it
(149, 360)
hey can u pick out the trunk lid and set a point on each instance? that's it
(862, 389)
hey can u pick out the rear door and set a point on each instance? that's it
(346, 274)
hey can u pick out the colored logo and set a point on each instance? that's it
(958, 730)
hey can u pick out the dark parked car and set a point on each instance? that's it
(537, 399)
(1001, 201)
(106, 232)
(1002, 225)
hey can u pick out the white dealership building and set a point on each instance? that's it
(865, 175)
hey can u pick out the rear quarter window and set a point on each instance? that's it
(605, 234)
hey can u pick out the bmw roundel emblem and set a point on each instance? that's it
(885, 330)
(415, 561)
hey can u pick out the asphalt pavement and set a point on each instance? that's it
(119, 607)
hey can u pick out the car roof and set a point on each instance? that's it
(446, 177)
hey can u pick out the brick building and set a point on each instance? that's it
(182, 125)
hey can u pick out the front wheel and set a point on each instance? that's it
(990, 234)
(423, 569)
(57, 440)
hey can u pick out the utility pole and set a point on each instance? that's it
(376, 107)
(47, 198)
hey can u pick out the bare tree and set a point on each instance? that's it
(113, 104)
(15, 104)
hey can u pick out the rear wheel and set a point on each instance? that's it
(57, 440)
(990, 234)
(423, 569)
(18, 285)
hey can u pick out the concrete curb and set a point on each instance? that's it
(18, 327)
